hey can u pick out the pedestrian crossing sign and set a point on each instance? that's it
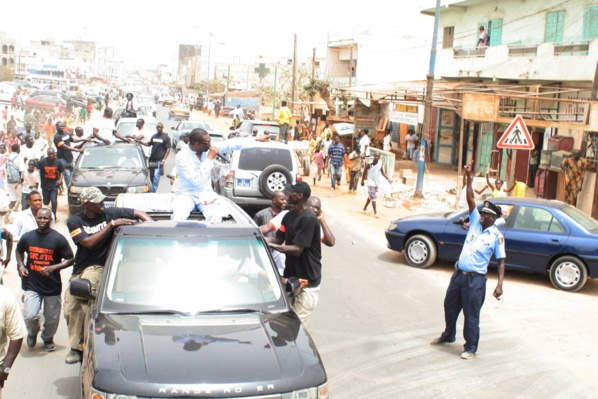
(516, 136)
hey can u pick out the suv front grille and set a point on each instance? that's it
(112, 191)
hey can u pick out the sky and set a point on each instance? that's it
(238, 30)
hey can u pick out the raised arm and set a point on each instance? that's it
(488, 181)
(469, 187)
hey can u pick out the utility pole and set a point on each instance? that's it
(593, 94)
(421, 167)
(274, 99)
(293, 91)
(313, 77)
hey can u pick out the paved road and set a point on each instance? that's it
(376, 317)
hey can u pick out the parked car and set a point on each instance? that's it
(114, 169)
(168, 101)
(247, 127)
(45, 102)
(59, 94)
(187, 126)
(179, 111)
(251, 175)
(541, 236)
(195, 309)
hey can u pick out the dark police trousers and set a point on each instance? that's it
(466, 292)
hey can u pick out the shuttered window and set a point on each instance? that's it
(590, 23)
(448, 37)
(555, 22)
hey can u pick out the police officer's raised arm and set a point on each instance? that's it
(469, 187)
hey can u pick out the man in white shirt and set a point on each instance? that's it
(104, 128)
(364, 143)
(194, 165)
(25, 220)
(30, 151)
(12, 332)
(143, 134)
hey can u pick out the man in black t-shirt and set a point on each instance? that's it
(48, 252)
(160, 143)
(92, 231)
(62, 141)
(50, 173)
(300, 232)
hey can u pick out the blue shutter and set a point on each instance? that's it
(590, 23)
(495, 32)
(555, 22)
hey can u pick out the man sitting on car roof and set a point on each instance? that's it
(194, 165)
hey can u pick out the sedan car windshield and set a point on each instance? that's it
(110, 157)
(192, 275)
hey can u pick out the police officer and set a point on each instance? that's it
(467, 289)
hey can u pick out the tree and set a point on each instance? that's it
(321, 87)
(6, 74)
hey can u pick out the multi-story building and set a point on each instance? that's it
(540, 62)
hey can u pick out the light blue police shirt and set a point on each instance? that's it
(481, 244)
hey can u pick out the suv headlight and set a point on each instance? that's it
(320, 392)
(137, 190)
(76, 190)
(95, 394)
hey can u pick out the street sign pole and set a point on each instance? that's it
(421, 164)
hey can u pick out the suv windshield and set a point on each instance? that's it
(192, 275)
(111, 157)
(259, 158)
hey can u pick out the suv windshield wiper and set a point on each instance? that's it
(237, 310)
(158, 312)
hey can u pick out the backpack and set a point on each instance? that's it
(13, 174)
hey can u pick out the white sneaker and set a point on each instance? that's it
(366, 211)
(376, 215)
(467, 355)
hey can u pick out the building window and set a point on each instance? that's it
(590, 23)
(494, 30)
(448, 37)
(555, 22)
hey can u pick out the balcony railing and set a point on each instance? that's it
(518, 49)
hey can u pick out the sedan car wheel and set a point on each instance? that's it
(420, 251)
(568, 273)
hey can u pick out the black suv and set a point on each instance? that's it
(114, 169)
(192, 309)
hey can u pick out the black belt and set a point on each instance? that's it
(468, 274)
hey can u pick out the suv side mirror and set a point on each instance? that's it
(81, 288)
(293, 287)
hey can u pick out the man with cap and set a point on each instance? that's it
(300, 233)
(467, 289)
(91, 230)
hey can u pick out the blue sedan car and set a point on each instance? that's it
(541, 236)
